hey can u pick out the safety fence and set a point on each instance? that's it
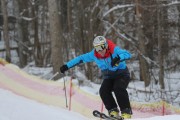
(158, 108)
(53, 93)
(47, 92)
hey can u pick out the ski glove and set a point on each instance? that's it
(63, 68)
(115, 61)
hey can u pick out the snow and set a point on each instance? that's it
(168, 117)
(14, 107)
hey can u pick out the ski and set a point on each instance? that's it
(98, 114)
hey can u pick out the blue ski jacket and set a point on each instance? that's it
(104, 64)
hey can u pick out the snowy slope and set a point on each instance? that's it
(14, 107)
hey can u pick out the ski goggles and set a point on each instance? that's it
(100, 47)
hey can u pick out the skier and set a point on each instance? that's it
(116, 77)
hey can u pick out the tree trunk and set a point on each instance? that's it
(22, 33)
(69, 15)
(111, 19)
(144, 71)
(160, 47)
(5, 29)
(37, 46)
(56, 36)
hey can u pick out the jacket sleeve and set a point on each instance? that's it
(123, 54)
(88, 57)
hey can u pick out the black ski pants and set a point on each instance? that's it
(117, 85)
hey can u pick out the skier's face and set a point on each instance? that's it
(102, 52)
(100, 47)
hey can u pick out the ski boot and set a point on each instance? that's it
(114, 113)
(126, 113)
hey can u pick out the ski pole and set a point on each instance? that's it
(64, 85)
(54, 75)
(65, 90)
(70, 94)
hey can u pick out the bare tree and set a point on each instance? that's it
(144, 70)
(56, 36)
(35, 26)
(161, 43)
(5, 29)
(22, 32)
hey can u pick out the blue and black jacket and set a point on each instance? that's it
(104, 63)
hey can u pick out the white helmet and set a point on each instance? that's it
(100, 42)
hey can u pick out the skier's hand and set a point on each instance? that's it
(115, 61)
(63, 68)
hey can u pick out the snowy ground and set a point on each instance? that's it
(14, 107)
